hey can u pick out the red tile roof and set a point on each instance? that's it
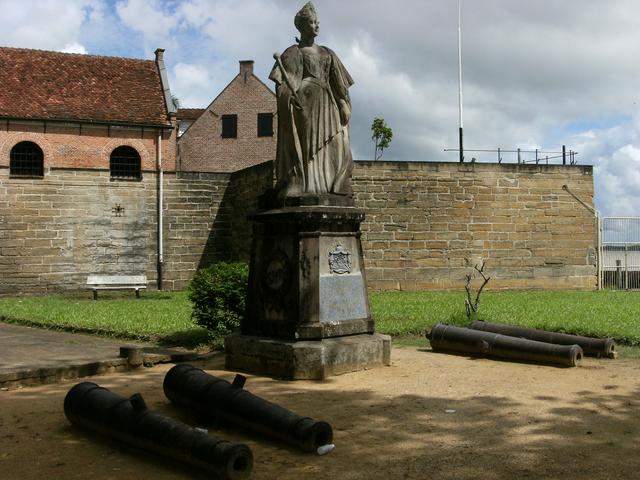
(37, 84)
(189, 113)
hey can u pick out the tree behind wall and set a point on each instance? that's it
(382, 136)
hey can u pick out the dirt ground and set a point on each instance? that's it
(428, 416)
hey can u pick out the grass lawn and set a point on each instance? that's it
(163, 317)
(598, 313)
(166, 317)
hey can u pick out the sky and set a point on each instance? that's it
(536, 74)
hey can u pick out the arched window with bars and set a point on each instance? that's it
(125, 163)
(26, 160)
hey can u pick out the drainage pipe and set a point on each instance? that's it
(160, 265)
(465, 340)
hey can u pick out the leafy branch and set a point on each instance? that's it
(382, 136)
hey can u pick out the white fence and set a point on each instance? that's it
(619, 253)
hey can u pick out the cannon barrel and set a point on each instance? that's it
(591, 347)
(465, 340)
(128, 420)
(216, 398)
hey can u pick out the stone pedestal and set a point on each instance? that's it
(306, 359)
(307, 308)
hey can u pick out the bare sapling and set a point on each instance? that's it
(473, 305)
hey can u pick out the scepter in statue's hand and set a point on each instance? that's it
(296, 100)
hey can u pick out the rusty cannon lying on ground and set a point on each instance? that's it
(591, 347)
(220, 400)
(128, 420)
(475, 342)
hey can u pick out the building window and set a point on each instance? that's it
(265, 124)
(26, 160)
(229, 126)
(125, 163)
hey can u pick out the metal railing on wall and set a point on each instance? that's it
(519, 155)
(619, 253)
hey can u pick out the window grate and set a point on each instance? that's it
(265, 124)
(26, 160)
(125, 163)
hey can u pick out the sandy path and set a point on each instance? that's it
(429, 416)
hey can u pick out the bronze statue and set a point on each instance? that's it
(314, 152)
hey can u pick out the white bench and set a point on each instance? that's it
(116, 282)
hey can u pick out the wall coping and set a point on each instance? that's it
(466, 167)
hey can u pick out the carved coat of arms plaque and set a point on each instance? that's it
(340, 260)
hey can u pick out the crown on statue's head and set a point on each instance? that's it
(305, 12)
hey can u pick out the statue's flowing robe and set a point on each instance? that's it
(314, 152)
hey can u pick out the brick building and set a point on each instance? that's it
(77, 109)
(83, 139)
(237, 130)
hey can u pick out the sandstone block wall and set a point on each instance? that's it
(57, 230)
(197, 225)
(206, 219)
(428, 224)
(245, 187)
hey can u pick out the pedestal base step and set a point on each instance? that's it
(313, 360)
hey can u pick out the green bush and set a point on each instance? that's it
(218, 296)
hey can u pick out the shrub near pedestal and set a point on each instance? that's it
(218, 296)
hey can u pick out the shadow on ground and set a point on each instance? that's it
(187, 339)
(395, 423)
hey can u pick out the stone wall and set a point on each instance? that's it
(197, 225)
(428, 224)
(245, 187)
(57, 230)
(206, 219)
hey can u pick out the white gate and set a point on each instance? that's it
(619, 253)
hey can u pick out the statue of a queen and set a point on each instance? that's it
(313, 153)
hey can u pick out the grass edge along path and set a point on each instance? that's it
(158, 317)
(165, 317)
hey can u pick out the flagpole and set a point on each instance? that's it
(461, 149)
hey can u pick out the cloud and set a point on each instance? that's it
(618, 182)
(74, 48)
(404, 103)
(615, 154)
(242, 30)
(535, 74)
(154, 19)
(195, 82)
(43, 24)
